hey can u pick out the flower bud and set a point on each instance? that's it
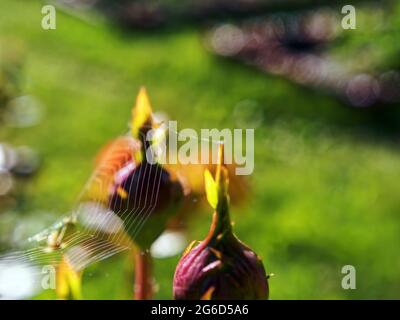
(144, 194)
(221, 266)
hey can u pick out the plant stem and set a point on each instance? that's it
(143, 289)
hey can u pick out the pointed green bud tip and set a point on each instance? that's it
(141, 113)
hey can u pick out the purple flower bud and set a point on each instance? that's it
(221, 266)
(220, 270)
(143, 194)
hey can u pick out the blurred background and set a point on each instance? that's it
(324, 103)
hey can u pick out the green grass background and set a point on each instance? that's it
(325, 185)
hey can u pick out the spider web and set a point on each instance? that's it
(98, 232)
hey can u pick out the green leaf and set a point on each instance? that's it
(211, 189)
